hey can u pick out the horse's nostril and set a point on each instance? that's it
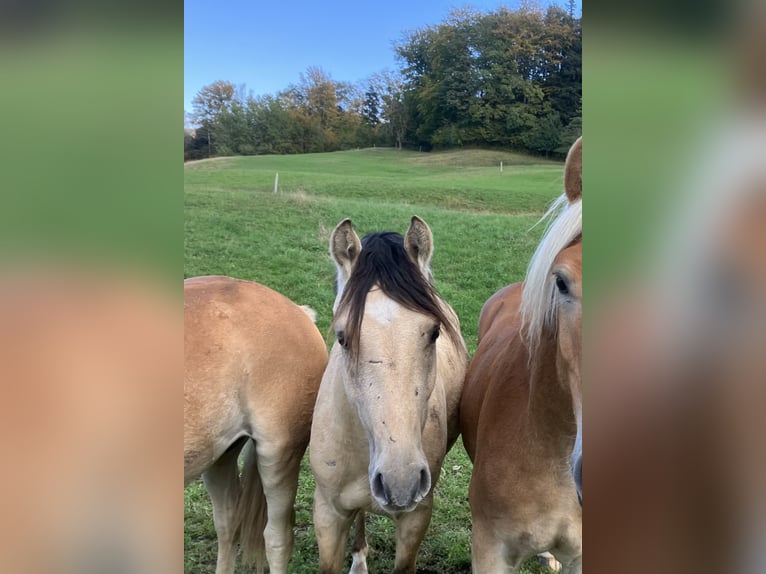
(425, 481)
(379, 490)
(577, 473)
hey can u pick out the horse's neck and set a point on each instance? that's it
(451, 366)
(550, 401)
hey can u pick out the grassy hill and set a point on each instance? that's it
(482, 220)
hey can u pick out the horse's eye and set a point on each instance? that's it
(341, 336)
(435, 333)
(561, 285)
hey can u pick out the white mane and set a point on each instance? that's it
(537, 310)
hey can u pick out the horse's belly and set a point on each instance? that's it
(200, 456)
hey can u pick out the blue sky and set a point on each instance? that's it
(266, 45)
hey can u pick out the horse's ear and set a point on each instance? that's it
(573, 172)
(345, 247)
(419, 244)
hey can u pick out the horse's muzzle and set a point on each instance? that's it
(400, 491)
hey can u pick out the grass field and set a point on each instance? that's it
(481, 219)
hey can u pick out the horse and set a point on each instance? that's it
(387, 410)
(521, 410)
(253, 363)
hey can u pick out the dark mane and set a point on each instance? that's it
(384, 262)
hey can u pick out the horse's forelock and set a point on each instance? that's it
(384, 263)
(537, 310)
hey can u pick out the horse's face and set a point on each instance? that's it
(389, 358)
(567, 274)
(389, 381)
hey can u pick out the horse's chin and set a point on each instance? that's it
(393, 509)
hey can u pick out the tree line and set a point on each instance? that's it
(507, 78)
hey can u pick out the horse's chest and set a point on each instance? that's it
(356, 493)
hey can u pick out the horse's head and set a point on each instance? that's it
(567, 274)
(388, 321)
(552, 298)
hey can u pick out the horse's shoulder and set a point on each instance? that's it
(500, 345)
(498, 326)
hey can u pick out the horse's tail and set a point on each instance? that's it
(251, 511)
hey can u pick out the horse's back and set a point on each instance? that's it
(499, 324)
(253, 364)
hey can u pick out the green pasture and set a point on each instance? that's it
(482, 220)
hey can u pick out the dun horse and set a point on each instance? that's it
(387, 410)
(521, 413)
(253, 362)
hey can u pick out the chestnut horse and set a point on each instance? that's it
(253, 364)
(387, 410)
(521, 411)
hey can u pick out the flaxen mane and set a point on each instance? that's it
(537, 310)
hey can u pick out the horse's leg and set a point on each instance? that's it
(279, 475)
(359, 549)
(222, 483)
(410, 529)
(488, 554)
(332, 532)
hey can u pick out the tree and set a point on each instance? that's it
(209, 104)
(439, 67)
(270, 125)
(571, 132)
(394, 111)
(545, 135)
(196, 143)
(562, 67)
(212, 100)
(510, 78)
(231, 130)
(327, 113)
(371, 108)
(506, 78)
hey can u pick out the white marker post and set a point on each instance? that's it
(276, 182)
(501, 167)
